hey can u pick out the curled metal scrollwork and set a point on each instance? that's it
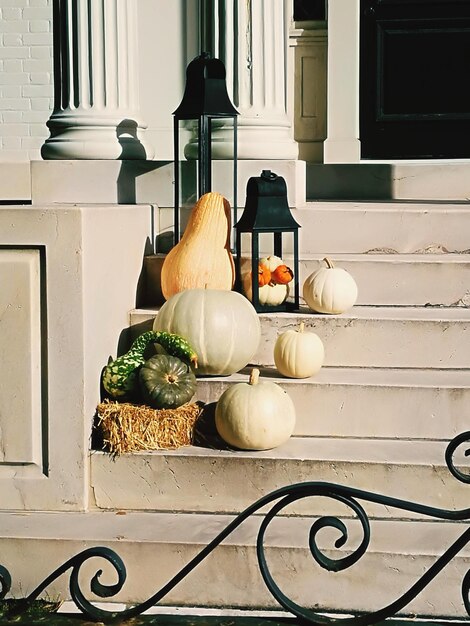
(279, 500)
(450, 452)
(5, 582)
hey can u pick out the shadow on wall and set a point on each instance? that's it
(131, 147)
(134, 162)
(350, 181)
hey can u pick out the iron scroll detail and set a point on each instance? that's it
(278, 500)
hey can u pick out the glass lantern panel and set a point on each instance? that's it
(186, 174)
(212, 170)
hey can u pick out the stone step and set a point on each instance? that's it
(382, 279)
(405, 227)
(367, 402)
(155, 546)
(348, 226)
(210, 477)
(402, 180)
(380, 337)
(402, 279)
(397, 337)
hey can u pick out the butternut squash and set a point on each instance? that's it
(202, 258)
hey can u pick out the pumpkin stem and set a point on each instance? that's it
(301, 327)
(329, 263)
(254, 375)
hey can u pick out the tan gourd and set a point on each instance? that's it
(202, 258)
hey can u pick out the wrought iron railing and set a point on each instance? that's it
(279, 499)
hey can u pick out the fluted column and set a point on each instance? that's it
(251, 38)
(96, 105)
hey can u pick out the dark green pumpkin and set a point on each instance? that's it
(166, 382)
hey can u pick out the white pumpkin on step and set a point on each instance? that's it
(330, 289)
(257, 415)
(221, 326)
(298, 353)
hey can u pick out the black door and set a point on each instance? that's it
(415, 79)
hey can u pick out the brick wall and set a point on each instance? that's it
(26, 80)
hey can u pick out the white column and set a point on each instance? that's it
(96, 104)
(251, 38)
(342, 144)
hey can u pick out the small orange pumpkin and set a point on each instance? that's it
(264, 275)
(282, 275)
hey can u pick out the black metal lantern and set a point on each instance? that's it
(267, 212)
(206, 102)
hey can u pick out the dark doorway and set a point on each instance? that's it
(414, 87)
(309, 10)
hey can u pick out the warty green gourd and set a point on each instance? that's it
(120, 377)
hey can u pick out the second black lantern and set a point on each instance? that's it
(267, 213)
(207, 104)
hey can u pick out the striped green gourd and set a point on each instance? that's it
(120, 377)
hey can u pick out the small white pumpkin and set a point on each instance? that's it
(271, 262)
(268, 295)
(221, 326)
(330, 289)
(298, 354)
(255, 415)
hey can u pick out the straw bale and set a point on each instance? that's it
(132, 428)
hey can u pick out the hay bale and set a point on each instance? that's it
(132, 428)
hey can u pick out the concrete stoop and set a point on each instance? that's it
(394, 389)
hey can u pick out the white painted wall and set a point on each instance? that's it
(168, 40)
(26, 82)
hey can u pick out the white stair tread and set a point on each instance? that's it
(400, 313)
(392, 206)
(377, 256)
(162, 544)
(367, 402)
(416, 537)
(367, 336)
(363, 376)
(388, 313)
(323, 449)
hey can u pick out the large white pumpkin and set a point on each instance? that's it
(298, 353)
(221, 326)
(255, 415)
(330, 289)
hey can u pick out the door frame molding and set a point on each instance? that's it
(342, 144)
